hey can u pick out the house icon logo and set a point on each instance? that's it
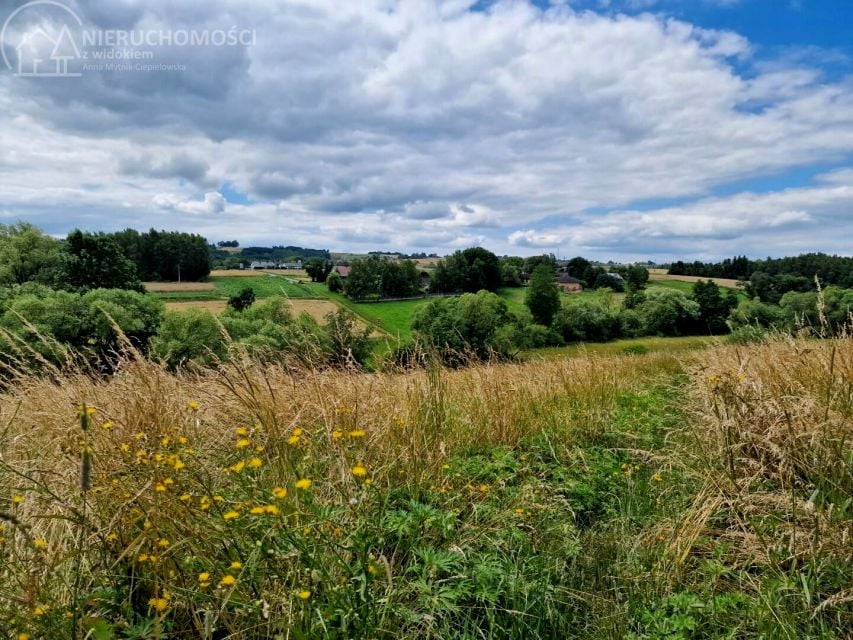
(44, 45)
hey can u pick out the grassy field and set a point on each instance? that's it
(602, 496)
(264, 286)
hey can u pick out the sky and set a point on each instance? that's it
(613, 129)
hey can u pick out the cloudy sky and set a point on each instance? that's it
(625, 129)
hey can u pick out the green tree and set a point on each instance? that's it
(471, 270)
(510, 274)
(187, 337)
(714, 308)
(242, 300)
(667, 312)
(95, 261)
(26, 254)
(349, 343)
(543, 295)
(334, 282)
(318, 269)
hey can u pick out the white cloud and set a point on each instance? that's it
(407, 124)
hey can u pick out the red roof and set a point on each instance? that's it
(343, 271)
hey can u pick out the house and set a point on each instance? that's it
(569, 284)
(292, 265)
(263, 264)
(342, 271)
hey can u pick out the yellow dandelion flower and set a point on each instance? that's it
(303, 484)
(369, 481)
(17, 499)
(337, 435)
(218, 498)
(179, 464)
(304, 594)
(183, 440)
(657, 477)
(242, 443)
(256, 511)
(484, 488)
(297, 432)
(236, 565)
(241, 431)
(228, 580)
(168, 482)
(112, 537)
(39, 611)
(162, 542)
(271, 510)
(192, 406)
(159, 604)
(237, 467)
(124, 447)
(357, 433)
(143, 557)
(359, 471)
(293, 440)
(22, 636)
(254, 463)
(204, 576)
(279, 492)
(107, 425)
(159, 487)
(231, 515)
(40, 543)
(165, 441)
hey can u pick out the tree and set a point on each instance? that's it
(468, 271)
(334, 282)
(242, 300)
(543, 295)
(667, 312)
(510, 274)
(714, 308)
(318, 269)
(348, 342)
(467, 324)
(26, 254)
(95, 261)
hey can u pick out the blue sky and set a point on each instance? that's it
(615, 129)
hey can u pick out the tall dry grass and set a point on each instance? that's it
(166, 453)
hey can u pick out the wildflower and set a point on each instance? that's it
(241, 431)
(192, 406)
(17, 499)
(254, 463)
(304, 594)
(159, 487)
(279, 492)
(112, 537)
(242, 443)
(293, 440)
(357, 433)
(159, 604)
(218, 498)
(237, 467)
(228, 580)
(231, 515)
(107, 425)
(143, 557)
(359, 471)
(40, 543)
(236, 565)
(303, 484)
(179, 464)
(484, 488)
(256, 511)
(657, 477)
(39, 611)
(165, 441)
(183, 440)
(337, 435)
(445, 466)
(204, 576)
(22, 636)
(168, 482)
(162, 542)
(519, 511)
(297, 432)
(124, 447)
(271, 510)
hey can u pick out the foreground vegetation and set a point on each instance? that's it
(632, 496)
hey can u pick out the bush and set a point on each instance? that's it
(667, 312)
(194, 337)
(335, 283)
(588, 320)
(242, 300)
(457, 327)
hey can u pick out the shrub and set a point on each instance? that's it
(334, 282)
(593, 319)
(667, 312)
(242, 300)
(194, 336)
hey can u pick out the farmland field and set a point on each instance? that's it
(221, 287)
